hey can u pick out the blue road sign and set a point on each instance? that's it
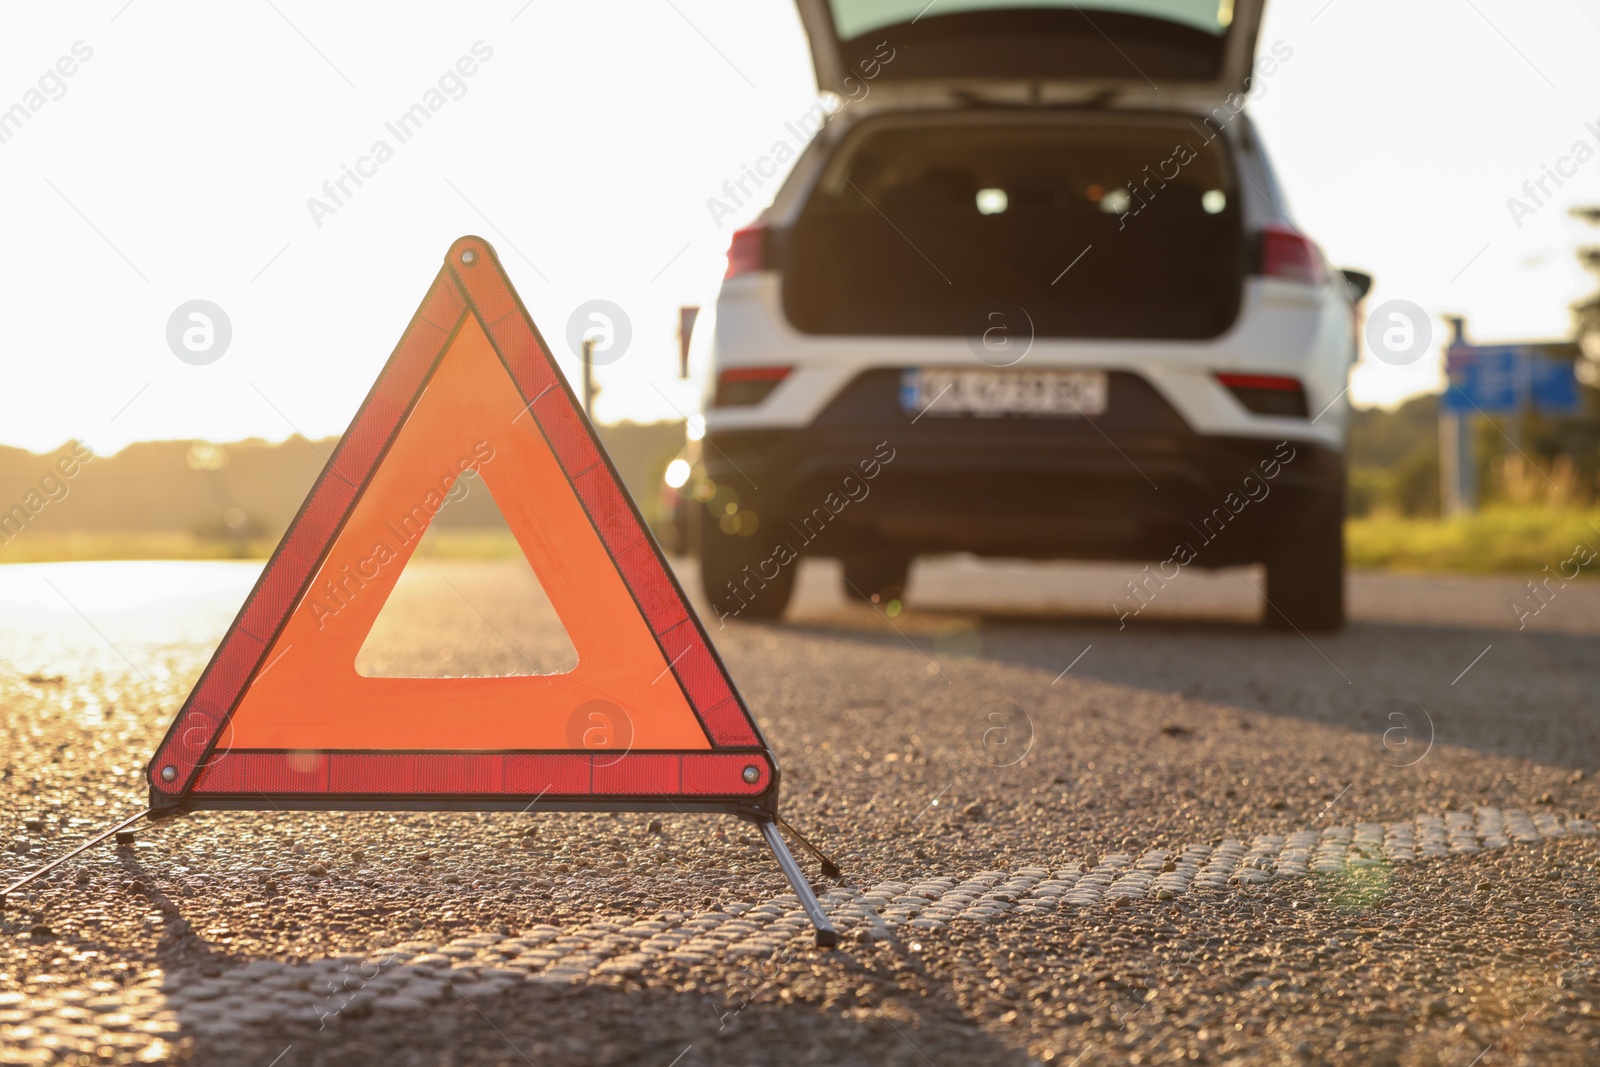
(1553, 387)
(1481, 379)
(1498, 379)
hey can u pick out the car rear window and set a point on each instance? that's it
(852, 18)
(1124, 227)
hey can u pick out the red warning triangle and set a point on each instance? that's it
(648, 713)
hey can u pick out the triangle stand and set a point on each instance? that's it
(827, 935)
(117, 831)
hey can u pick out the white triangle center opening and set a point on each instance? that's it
(467, 605)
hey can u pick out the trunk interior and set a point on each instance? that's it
(1083, 224)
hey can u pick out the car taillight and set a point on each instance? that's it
(748, 251)
(743, 386)
(1288, 254)
(1267, 394)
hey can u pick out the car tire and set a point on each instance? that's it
(1305, 574)
(881, 574)
(743, 563)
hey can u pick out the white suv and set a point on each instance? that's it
(1031, 292)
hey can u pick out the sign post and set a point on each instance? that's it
(1458, 475)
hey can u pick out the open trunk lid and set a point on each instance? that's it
(1189, 48)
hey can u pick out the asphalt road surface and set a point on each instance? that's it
(1067, 838)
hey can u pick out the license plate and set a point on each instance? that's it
(1060, 394)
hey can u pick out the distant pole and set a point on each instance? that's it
(588, 377)
(1457, 472)
(1524, 373)
(686, 320)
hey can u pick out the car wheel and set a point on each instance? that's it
(1305, 574)
(743, 577)
(881, 574)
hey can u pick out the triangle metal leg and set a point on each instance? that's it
(86, 846)
(830, 869)
(827, 934)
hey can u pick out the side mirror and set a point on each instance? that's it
(1359, 282)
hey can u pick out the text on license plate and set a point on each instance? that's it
(1066, 393)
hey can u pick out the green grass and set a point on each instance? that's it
(39, 547)
(51, 548)
(1500, 539)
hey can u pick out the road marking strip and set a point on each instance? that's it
(415, 973)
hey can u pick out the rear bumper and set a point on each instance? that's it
(1130, 485)
(1282, 329)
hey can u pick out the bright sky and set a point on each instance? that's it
(177, 163)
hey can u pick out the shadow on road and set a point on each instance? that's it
(858, 1004)
(1521, 694)
(632, 1026)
